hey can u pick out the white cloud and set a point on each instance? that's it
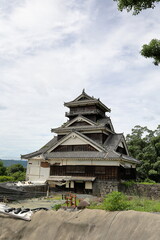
(51, 50)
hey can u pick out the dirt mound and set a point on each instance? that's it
(82, 225)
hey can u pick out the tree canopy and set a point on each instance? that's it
(15, 168)
(2, 169)
(15, 172)
(151, 50)
(144, 145)
(135, 5)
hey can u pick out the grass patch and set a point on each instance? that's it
(144, 205)
(148, 183)
(94, 205)
(117, 201)
(55, 197)
(56, 207)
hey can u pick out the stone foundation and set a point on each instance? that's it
(142, 190)
(103, 187)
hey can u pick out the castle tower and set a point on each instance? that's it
(86, 155)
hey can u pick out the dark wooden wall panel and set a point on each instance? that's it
(99, 172)
(74, 148)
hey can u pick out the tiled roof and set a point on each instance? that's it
(42, 150)
(90, 140)
(79, 116)
(87, 100)
(84, 137)
(108, 150)
(112, 141)
(80, 128)
(83, 94)
(100, 124)
(110, 155)
(89, 154)
(104, 121)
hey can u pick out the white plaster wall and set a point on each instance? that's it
(91, 163)
(67, 184)
(35, 172)
(72, 184)
(44, 173)
(88, 185)
(85, 162)
(74, 141)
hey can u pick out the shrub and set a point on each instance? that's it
(6, 179)
(129, 183)
(19, 176)
(148, 181)
(115, 201)
(56, 207)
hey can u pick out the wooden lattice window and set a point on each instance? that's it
(74, 148)
(99, 170)
(75, 169)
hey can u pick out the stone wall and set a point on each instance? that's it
(103, 187)
(142, 190)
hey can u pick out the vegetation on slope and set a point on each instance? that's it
(144, 145)
(15, 172)
(117, 201)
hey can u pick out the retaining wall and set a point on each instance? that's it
(142, 190)
(103, 187)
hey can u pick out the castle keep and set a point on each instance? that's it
(86, 155)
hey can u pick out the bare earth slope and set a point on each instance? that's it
(82, 225)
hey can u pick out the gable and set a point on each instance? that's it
(74, 139)
(82, 98)
(74, 148)
(80, 121)
(121, 148)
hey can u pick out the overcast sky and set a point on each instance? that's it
(50, 50)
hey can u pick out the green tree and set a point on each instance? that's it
(144, 144)
(19, 176)
(2, 169)
(15, 172)
(6, 179)
(151, 50)
(15, 168)
(135, 5)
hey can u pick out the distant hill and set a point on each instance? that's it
(8, 163)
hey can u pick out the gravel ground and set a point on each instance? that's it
(44, 202)
(36, 203)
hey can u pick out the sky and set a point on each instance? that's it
(50, 50)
